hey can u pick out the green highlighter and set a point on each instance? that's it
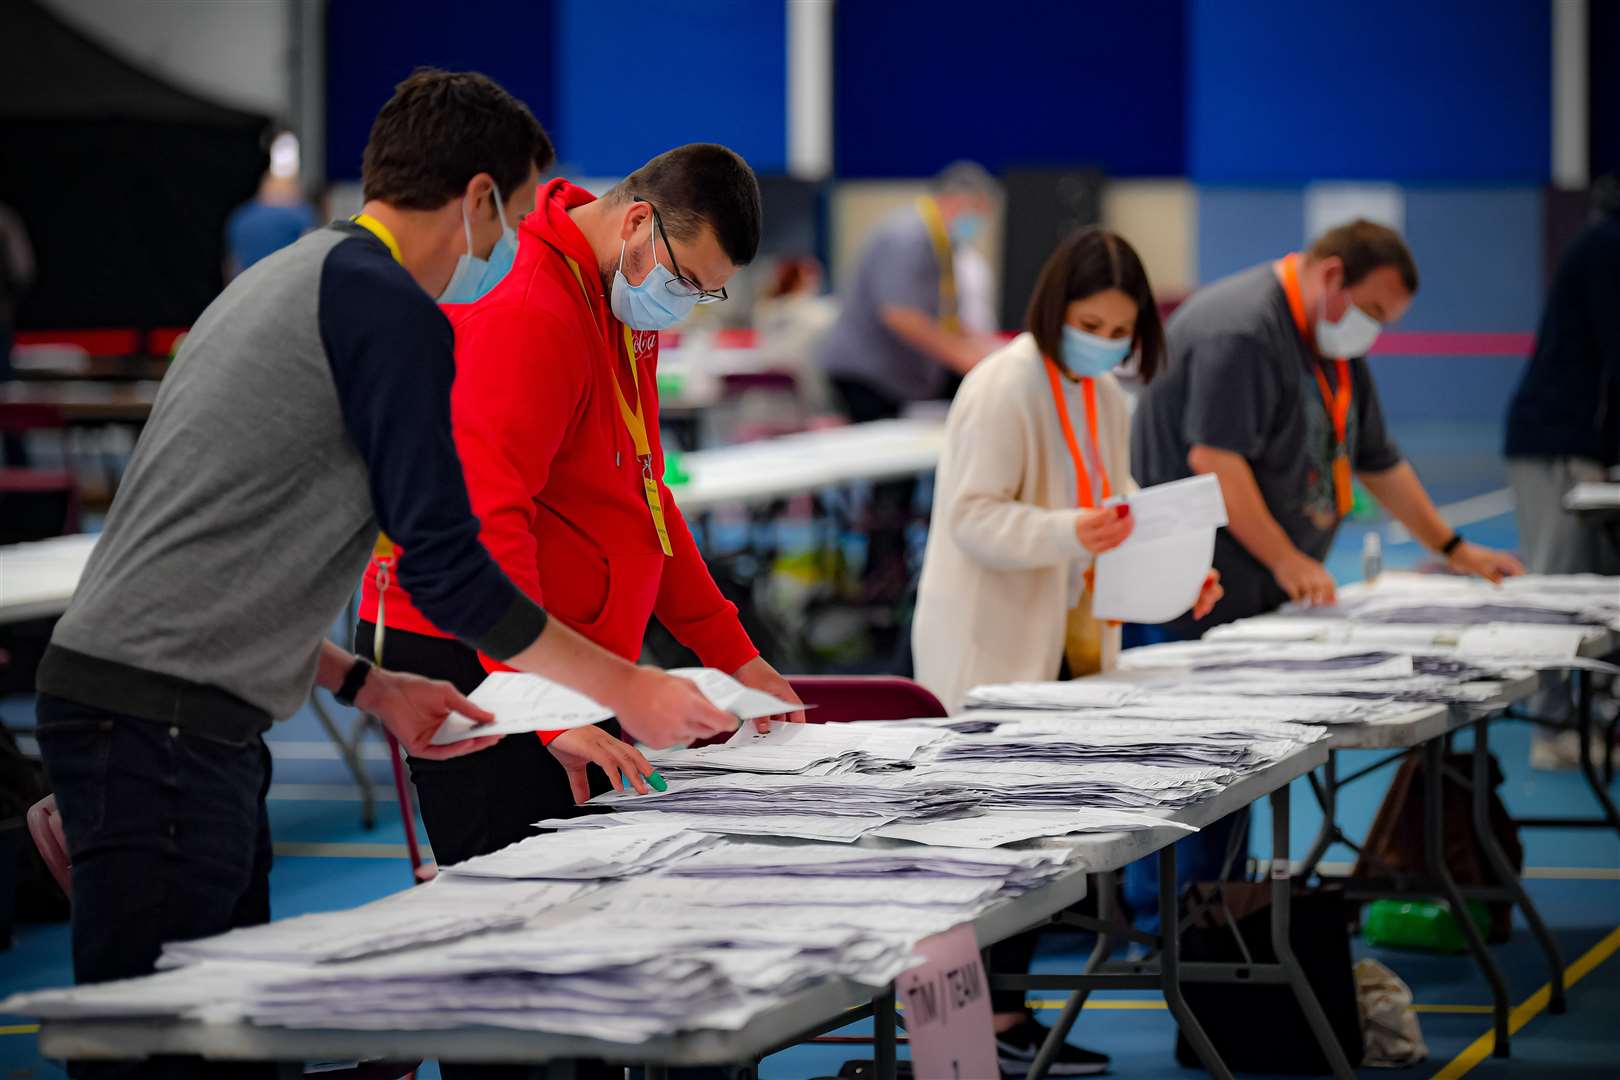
(655, 778)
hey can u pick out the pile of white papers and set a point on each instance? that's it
(586, 856)
(524, 703)
(442, 910)
(1043, 785)
(841, 829)
(1093, 693)
(904, 797)
(801, 750)
(998, 827)
(1016, 870)
(1241, 746)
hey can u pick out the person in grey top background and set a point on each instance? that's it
(1247, 397)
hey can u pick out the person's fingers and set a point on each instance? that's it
(634, 767)
(458, 702)
(579, 786)
(796, 717)
(762, 724)
(429, 752)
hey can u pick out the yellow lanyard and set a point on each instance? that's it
(949, 316)
(635, 420)
(382, 553)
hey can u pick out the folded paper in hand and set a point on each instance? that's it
(523, 703)
(1157, 573)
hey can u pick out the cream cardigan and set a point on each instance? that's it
(1003, 565)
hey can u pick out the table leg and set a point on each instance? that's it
(1328, 796)
(1170, 967)
(655, 1072)
(1077, 1000)
(1435, 853)
(883, 1035)
(1282, 894)
(1505, 871)
(1584, 717)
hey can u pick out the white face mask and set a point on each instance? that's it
(1351, 336)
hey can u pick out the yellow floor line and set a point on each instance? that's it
(1478, 1050)
(19, 1029)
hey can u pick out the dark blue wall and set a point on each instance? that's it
(1023, 82)
(373, 44)
(1445, 90)
(637, 78)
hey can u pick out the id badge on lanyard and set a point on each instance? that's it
(1336, 400)
(383, 551)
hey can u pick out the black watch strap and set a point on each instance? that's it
(1451, 545)
(353, 681)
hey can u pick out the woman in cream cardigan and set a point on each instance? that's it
(1037, 442)
(1019, 499)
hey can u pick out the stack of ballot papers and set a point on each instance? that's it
(1241, 746)
(1092, 693)
(1046, 785)
(1016, 871)
(524, 703)
(445, 909)
(838, 829)
(896, 796)
(997, 827)
(801, 750)
(586, 856)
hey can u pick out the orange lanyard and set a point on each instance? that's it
(949, 316)
(1336, 400)
(635, 420)
(1084, 496)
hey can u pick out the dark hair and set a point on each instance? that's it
(1086, 263)
(701, 184)
(965, 178)
(1364, 246)
(442, 128)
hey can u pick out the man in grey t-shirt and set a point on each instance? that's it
(1267, 390)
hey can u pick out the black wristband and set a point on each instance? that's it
(353, 681)
(1451, 545)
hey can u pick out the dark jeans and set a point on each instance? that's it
(482, 802)
(169, 841)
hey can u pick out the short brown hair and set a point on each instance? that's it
(441, 129)
(1086, 263)
(1364, 246)
(701, 184)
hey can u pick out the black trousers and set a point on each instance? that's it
(482, 802)
(886, 575)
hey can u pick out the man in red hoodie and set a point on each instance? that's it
(555, 412)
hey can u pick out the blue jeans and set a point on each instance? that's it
(169, 840)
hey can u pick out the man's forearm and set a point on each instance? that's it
(1248, 517)
(954, 349)
(333, 666)
(1401, 493)
(564, 656)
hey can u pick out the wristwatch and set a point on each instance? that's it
(353, 681)
(1451, 545)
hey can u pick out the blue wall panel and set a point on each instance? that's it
(1443, 90)
(1239, 227)
(372, 45)
(1479, 255)
(1026, 82)
(636, 79)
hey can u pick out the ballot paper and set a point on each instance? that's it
(998, 827)
(445, 909)
(904, 796)
(1074, 694)
(1017, 870)
(839, 829)
(586, 856)
(1158, 572)
(801, 749)
(524, 703)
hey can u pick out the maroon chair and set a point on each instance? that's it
(842, 698)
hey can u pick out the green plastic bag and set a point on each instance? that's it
(1428, 925)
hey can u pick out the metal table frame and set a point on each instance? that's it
(821, 1008)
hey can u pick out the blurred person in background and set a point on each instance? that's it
(1563, 427)
(16, 275)
(899, 338)
(275, 217)
(1037, 442)
(1268, 389)
(790, 317)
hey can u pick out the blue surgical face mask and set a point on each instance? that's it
(474, 276)
(1088, 355)
(651, 305)
(965, 228)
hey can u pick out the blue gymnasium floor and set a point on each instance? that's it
(326, 860)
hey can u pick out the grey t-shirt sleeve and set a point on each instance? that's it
(904, 272)
(1232, 394)
(1375, 449)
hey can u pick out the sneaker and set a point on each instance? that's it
(1016, 1049)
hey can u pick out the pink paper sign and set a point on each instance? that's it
(947, 1010)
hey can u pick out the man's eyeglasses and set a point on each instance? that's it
(680, 284)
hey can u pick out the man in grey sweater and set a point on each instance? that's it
(308, 409)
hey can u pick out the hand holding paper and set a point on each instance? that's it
(1160, 570)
